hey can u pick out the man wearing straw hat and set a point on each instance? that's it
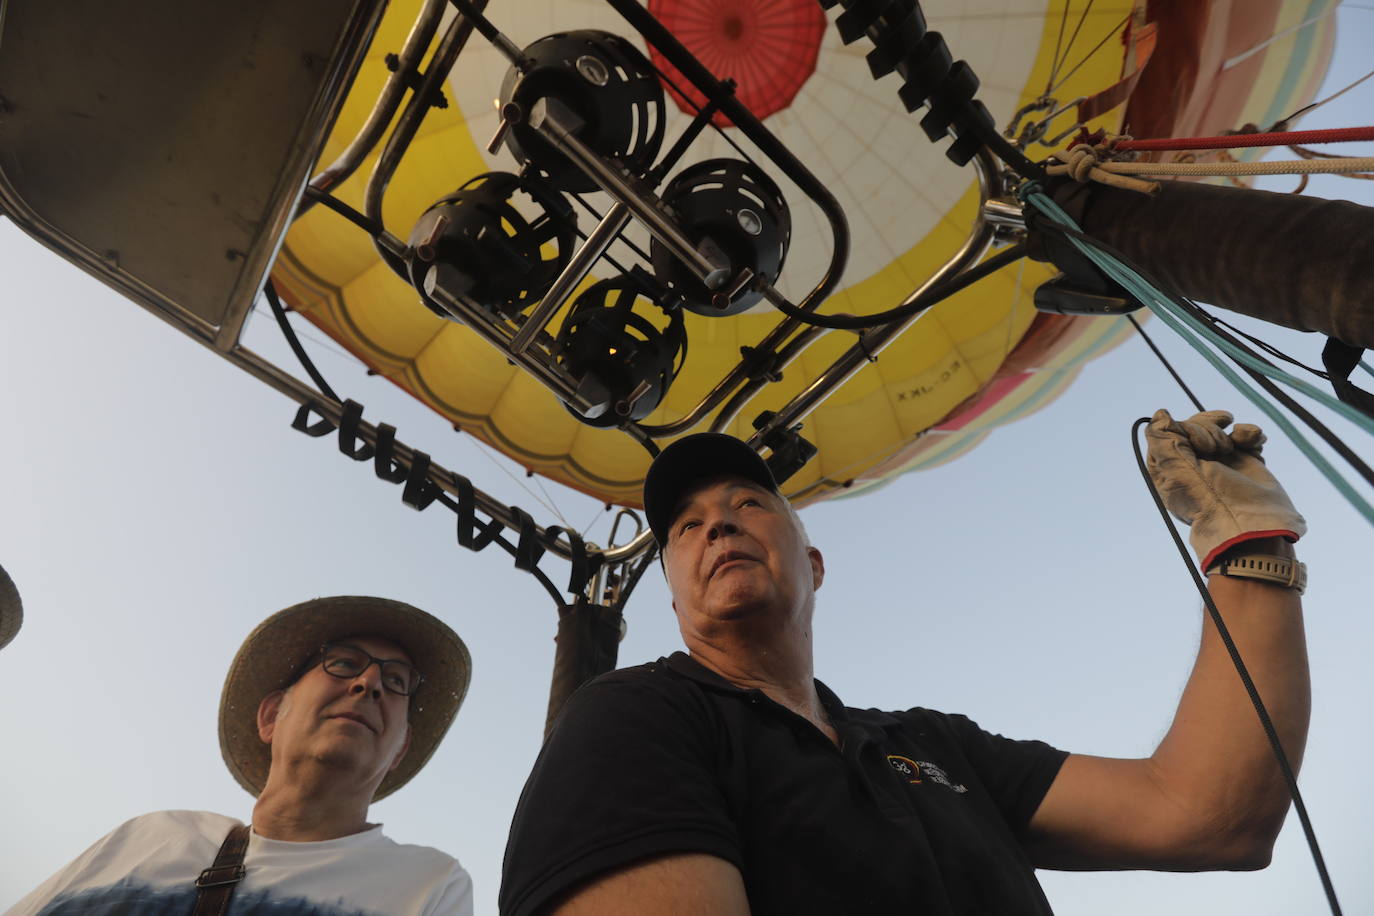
(11, 609)
(328, 706)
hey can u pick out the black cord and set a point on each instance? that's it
(1264, 345)
(374, 229)
(289, 333)
(371, 227)
(1283, 397)
(933, 296)
(1225, 634)
(1178, 378)
(1287, 400)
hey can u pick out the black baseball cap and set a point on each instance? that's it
(687, 462)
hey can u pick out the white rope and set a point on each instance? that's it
(1285, 167)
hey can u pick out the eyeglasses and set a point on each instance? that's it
(344, 661)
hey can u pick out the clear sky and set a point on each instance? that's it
(155, 505)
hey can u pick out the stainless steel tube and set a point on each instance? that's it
(416, 43)
(578, 266)
(555, 122)
(874, 340)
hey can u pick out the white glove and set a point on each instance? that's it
(1217, 483)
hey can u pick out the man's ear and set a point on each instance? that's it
(817, 567)
(268, 710)
(400, 755)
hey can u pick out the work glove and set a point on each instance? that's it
(1217, 482)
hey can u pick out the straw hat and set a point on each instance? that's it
(11, 609)
(281, 644)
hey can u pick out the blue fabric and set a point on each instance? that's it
(135, 899)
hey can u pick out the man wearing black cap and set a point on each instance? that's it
(728, 780)
(328, 706)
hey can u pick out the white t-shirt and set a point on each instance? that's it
(148, 866)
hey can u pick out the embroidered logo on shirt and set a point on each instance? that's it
(914, 770)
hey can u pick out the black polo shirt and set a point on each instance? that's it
(915, 812)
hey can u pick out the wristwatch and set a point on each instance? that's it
(1283, 571)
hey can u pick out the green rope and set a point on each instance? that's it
(1194, 332)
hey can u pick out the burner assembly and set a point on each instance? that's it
(583, 113)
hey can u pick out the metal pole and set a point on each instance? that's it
(545, 370)
(421, 33)
(578, 265)
(874, 340)
(559, 126)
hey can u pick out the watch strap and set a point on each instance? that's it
(1284, 571)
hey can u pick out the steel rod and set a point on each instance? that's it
(407, 62)
(744, 120)
(974, 246)
(545, 371)
(559, 127)
(454, 39)
(578, 266)
(872, 341)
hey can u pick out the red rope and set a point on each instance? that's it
(1233, 141)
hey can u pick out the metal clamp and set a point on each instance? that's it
(233, 874)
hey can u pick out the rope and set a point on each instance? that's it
(1164, 307)
(1194, 332)
(1235, 141)
(1306, 153)
(1286, 167)
(1082, 164)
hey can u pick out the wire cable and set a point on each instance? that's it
(1194, 332)
(1282, 422)
(270, 291)
(500, 541)
(1167, 365)
(1339, 446)
(1331, 439)
(1278, 394)
(1265, 721)
(371, 227)
(1148, 292)
(1265, 346)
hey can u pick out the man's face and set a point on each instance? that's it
(735, 549)
(354, 725)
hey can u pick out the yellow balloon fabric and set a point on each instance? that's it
(982, 358)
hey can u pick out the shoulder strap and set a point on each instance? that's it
(216, 884)
(1340, 359)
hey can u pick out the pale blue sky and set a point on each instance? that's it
(155, 504)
